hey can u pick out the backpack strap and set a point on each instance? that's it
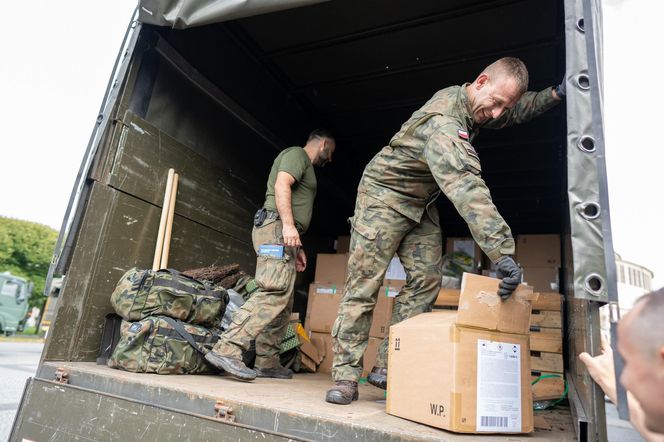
(179, 328)
(408, 135)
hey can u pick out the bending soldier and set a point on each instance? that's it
(291, 189)
(395, 210)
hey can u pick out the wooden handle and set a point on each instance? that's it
(169, 224)
(162, 220)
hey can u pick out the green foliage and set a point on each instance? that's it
(26, 249)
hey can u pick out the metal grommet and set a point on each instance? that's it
(594, 284)
(589, 211)
(586, 144)
(580, 25)
(583, 81)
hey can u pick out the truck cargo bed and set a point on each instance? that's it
(286, 407)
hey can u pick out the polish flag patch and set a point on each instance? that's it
(462, 134)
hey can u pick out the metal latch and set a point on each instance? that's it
(223, 412)
(61, 376)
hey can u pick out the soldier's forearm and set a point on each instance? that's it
(282, 195)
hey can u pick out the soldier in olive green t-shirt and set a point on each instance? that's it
(289, 199)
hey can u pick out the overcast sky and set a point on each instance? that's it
(58, 55)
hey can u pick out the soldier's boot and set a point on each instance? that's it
(278, 372)
(343, 393)
(234, 367)
(378, 377)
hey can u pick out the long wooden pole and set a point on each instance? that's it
(162, 221)
(169, 224)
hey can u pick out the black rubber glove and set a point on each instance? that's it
(510, 272)
(561, 89)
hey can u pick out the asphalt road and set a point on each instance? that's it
(18, 362)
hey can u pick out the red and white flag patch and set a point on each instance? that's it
(462, 134)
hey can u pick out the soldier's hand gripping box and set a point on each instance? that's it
(444, 370)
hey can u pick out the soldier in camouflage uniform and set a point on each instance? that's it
(286, 214)
(395, 210)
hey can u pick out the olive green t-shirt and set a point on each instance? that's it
(297, 164)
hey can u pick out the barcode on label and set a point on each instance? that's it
(493, 421)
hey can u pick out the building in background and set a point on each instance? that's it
(634, 281)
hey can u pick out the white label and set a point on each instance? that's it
(498, 386)
(326, 290)
(391, 292)
(395, 270)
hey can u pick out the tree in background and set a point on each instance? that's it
(26, 249)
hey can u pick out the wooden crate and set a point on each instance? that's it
(549, 362)
(544, 339)
(544, 318)
(547, 389)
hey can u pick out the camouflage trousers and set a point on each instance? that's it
(378, 232)
(265, 316)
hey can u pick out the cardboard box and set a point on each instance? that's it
(459, 378)
(342, 244)
(538, 250)
(542, 279)
(448, 298)
(370, 355)
(323, 343)
(331, 268)
(323, 309)
(466, 245)
(480, 306)
(382, 314)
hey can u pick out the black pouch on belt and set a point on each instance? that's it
(260, 216)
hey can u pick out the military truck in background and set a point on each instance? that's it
(215, 90)
(14, 295)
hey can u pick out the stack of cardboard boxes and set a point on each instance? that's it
(465, 371)
(539, 256)
(325, 295)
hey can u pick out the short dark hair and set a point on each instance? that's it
(320, 133)
(648, 324)
(512, 67)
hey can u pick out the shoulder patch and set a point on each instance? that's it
(462, 134)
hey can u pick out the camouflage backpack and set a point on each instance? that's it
(162, 345)
(143, 293)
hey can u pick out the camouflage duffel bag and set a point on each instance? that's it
(143, 293)
(162, 345)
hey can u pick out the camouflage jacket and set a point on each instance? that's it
(430, 154)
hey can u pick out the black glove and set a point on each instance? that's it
(561, 89)
(511, 275)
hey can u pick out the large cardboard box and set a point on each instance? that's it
(459, 378)
(483, 350)
(538, 250)
(323, 308)
(542, 279)
(331, 268)
(480, 306)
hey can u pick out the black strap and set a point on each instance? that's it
(179, 328)
(171, 333)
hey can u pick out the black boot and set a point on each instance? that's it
(234, 367)
(378, 377)
(343, 393)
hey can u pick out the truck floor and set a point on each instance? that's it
(293, 407)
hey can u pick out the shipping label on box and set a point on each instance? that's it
(498, 386)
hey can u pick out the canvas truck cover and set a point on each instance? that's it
(181, 14)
